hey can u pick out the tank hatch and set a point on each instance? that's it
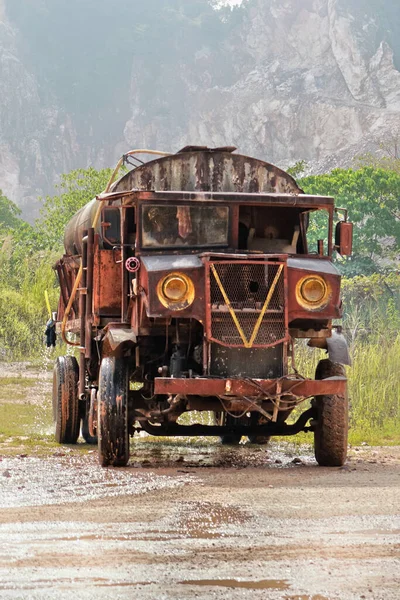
(206, 149)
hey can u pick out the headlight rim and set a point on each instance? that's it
(313, 305)
(168, 280)
(183, 302)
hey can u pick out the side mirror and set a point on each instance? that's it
(344, 235)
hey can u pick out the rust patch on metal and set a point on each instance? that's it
(107, 289)
(208, 171)
(241, 387)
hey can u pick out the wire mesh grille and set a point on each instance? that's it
(246, 287)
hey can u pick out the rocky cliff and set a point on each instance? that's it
(281, 79)
(37, 139)
(312, 81)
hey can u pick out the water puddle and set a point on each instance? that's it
(264, 584)
(35, 482)
(191, 453)
(208, 520)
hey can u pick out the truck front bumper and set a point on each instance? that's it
(236, 388)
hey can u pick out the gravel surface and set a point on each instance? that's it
(200, 521)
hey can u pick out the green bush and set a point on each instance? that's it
(21, 325)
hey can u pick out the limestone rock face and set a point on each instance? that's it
(316, 80)
(312, 82)
(36, 139)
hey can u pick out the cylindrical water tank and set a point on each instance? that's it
(81, 221)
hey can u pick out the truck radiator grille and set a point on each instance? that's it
(247, 303)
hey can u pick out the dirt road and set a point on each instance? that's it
(200, 521)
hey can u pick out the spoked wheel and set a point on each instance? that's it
(331, 431)
(65, 400)
(229, 439)
(112, 428)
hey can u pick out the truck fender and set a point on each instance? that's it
(118, 339)
(338, 349)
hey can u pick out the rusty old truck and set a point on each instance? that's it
(187, 285)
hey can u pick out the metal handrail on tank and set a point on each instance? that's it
(94, 224)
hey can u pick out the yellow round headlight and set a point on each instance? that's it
(174, 288)
(176, 291)
(312, 292)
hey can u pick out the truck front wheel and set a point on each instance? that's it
(331, 430)
(65, 400)
(112, 429)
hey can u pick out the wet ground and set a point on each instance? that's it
(187, 518)
(197, 520)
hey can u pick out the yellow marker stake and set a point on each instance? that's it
(46, 295)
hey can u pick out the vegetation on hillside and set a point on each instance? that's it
(27, 254)
(371, 195)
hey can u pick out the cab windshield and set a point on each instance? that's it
(179, 226)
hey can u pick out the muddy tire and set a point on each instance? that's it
(229, 439)
(331, 431)
(112, 428)
(261, 440)
(89, 439)
(65, 400)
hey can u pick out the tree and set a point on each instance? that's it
(297, 169)
(372, 196)
(9, 214)
(77, 188)
(388, 157)
(12, 227)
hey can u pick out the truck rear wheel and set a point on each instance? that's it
(89, 439)
(331, 432)
(228, 439)
(112, 429)
(65, 400)
(261, 440)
